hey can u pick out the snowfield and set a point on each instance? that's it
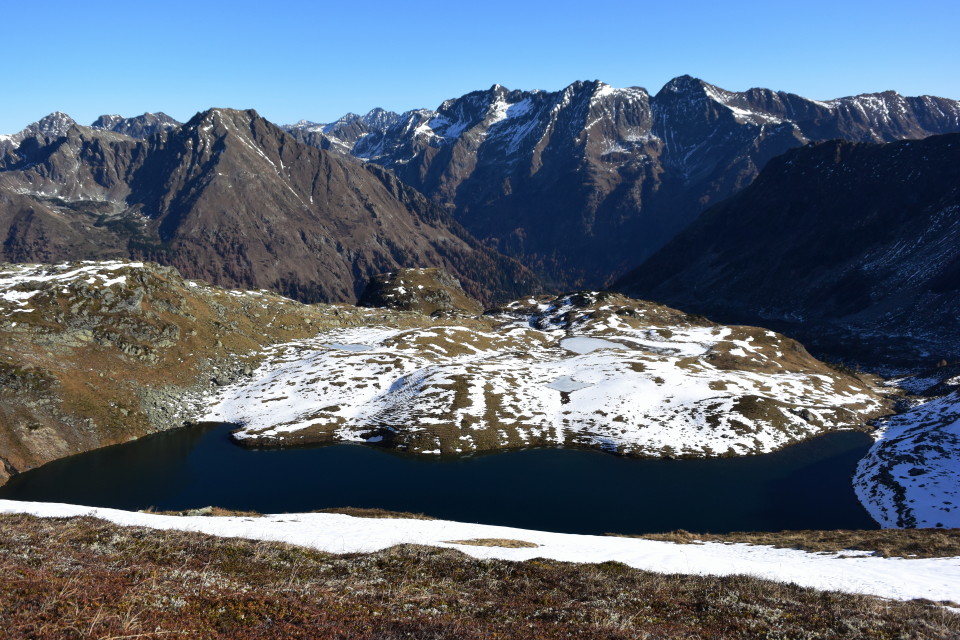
(853, 572)
(911, 475)
(588, 369)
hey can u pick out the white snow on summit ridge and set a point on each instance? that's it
(515, 124)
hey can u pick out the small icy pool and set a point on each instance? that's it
(584, 345)
(568, 384)
(348, 347)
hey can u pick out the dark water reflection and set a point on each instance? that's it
(803, 487)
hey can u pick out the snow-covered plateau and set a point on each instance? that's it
(588, 369)
(936, 579)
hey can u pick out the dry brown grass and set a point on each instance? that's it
(358, 512)
(496, 542)
(905, 543)
(214, 512)
(84, 578)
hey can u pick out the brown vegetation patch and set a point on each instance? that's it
(904, 543)
(213, 512)
(358, 512)
(84, 578)
(496, 542)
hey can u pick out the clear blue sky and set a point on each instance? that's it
(318, 60)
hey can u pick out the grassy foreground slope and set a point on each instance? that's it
(84, 578)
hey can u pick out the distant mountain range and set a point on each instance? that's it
(585, 183)
(578, 187)
(57, 124)
(232, 199)
(852, 247)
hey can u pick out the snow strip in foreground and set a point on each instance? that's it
(936, 579)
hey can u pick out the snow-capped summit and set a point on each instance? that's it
(589, 180)
(53, 125)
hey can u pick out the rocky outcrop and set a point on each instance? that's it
(428, 291)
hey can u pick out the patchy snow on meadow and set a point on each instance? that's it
(20, 282)
(587, 369)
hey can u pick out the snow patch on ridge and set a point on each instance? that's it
(19, 283)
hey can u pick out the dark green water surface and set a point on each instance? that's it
(806, 486)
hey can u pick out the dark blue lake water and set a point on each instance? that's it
(806, 486)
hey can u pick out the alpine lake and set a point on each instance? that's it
(805, 486)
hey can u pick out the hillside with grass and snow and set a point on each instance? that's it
(586, 369)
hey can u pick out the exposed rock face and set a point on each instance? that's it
(854, 248)
(584, 183)
(232, 199)
(426, 291)
(137, 127)
(343, 134)
(50, 127)
(587, 369)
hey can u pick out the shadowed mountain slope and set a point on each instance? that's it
(854, 248)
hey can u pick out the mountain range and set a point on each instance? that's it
(835, 222)
(585, 183)
(230, 198)
(514, 192)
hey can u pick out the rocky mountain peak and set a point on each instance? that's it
(222, 126)
(231, 198)
(55, 124)
(227, 117)
(684, 85)
(107, 121)
(141, 127)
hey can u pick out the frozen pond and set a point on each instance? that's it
(583, 345)
(348, 347)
